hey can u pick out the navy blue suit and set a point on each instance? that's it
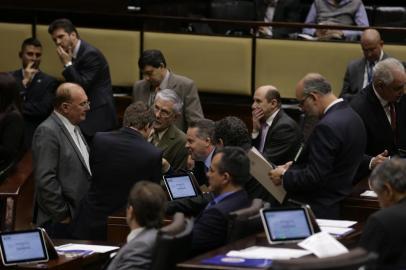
(91, 70)
(323, 175)
(118, 159)
(210, 228)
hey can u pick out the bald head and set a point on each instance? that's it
(71, 101)
(371, 44)
(267, 100)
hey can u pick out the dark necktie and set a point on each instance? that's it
(370, 68)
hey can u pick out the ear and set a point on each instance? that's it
(20, 54)
(221, 142)
(226, 178)
(387, 192)
(130, 212)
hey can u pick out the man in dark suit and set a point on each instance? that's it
(118, 160)
(378, 106)
(228, 173)
(384, 232)
(61, 161)
(323, 174)
(158, 77)
(37, 88)
(359, 72)
(86, 66)
(274, 133)
(145, 212)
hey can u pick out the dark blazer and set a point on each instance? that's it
(37, 100)
(354, 77)
(210, 227)
(173, 144)
(91, 70)
(60, 172)
(118, 159)
(282, 140)
(385, 234)
(323, 175)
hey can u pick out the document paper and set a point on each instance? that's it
(258, 252)
(323, 245)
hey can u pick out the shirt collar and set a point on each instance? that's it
(76, 49)
(381, 100)
(66, 122)
(222, 196)
(134, 233)
(207, 161)
(332, 104)
(164, 83)
(272, 117)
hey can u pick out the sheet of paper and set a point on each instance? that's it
(335, 223)
(336, 231)
(258, 252)
(323, 245)
(259, 169)
(93, 248)
(369, 193)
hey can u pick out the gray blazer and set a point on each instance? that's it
(61, 177)
(186, 90)
(136, 254)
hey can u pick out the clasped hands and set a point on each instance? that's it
(276, 174)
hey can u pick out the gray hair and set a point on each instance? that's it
(383, 70)
(315, 82)
(205, 129)
(392, 171)
(170, 95)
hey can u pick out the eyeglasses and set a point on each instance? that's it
(162, 112)
(85, 104)
(303, 100)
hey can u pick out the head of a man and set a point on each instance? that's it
(31, 52)
(139, 117)
(311, 93)
(266, 100)
(146, 205)
(232, 131)
(229, 170)
(64, 34)
(153, 66)
(372, 45)
(389, 79)
(167, 108)
(388, 180)
(71, 101)
(199, 139)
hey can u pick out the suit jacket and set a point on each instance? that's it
(210, 227)
(136, 254)
(323, 175)
(282, 140)
(186, 90)
(354, 77)
(61, 176)
(118, 160)
(385, 234)
(37, 100)
(173, 144)
(91, 70)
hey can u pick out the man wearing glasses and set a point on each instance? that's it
(322, 175)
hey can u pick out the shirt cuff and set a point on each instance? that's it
(68, 64)
(254, 135)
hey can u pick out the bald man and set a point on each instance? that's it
(274, 133)
(359, 71)
(61, 161)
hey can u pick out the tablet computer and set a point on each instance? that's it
(23, 247)
(180, 186)
(283, 225)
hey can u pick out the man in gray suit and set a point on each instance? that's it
(157, 77)
(144, 215)
(359, 72)
(61, 161)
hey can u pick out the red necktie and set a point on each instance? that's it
(392, 115)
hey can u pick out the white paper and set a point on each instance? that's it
(336, 230)
(369, 193)
(335, 223)
(258, 252)
(323, 245)
(259, 169)
(93, 248)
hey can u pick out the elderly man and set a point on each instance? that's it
(323, 174)
(166, 136)
(384, 232)
(359, 72)
(274, 133)
(61, 161)
(158, 77)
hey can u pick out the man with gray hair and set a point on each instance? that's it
(166, 136)
(384, 232)
(378, 106)
(322, 175)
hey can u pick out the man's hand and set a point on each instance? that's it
(29, 73)
(165, 166)
(377, 160)
(276, 174)
(257, 114)
(66, 220)
(64, 56)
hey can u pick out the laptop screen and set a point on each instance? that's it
(23, 247)
(286, 224)
(180, 186)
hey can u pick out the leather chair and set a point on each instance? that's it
(391, 17)
(353, 260)
(246, 221)
(172, 243)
